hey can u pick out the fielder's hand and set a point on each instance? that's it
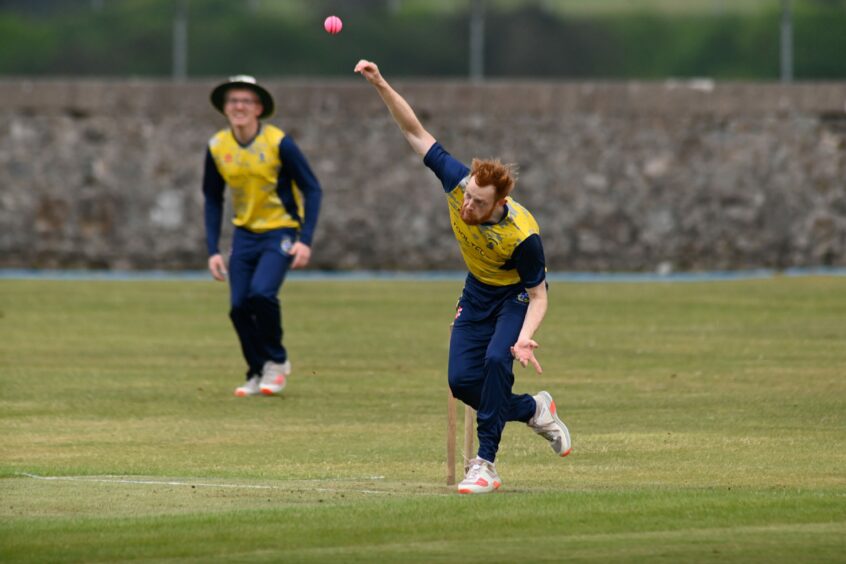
(217, 267)
(524, 352)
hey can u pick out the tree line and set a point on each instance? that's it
(522, 40)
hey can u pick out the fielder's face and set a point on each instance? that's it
(242, 107)
(479, 203)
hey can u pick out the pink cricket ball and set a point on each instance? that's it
(333, 25)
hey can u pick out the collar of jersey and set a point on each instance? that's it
(504, 216)
(250, 142)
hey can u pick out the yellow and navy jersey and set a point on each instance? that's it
(508, 253)
(271, 184)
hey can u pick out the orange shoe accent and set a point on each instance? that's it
(279, 380)
(479, 483)
(566, 452)
(552, 407)
(266, 392)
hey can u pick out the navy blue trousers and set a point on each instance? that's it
(257, 268)
(480, 366)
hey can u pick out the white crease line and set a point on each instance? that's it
(192, 484)
(329, 490)
(364, 479)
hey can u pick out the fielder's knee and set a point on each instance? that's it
(261, 301)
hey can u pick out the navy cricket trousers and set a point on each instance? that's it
(480, 366)
(257, 268)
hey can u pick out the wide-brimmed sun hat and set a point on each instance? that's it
(218, 95)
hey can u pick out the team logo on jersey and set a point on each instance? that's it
(286, 245)
(261, 157)
(523, 297)
(494, 238)
(227, 158)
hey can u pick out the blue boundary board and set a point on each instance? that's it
(423, 276)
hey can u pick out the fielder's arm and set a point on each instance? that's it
(213, 187)
(419, 139)
(523, 349)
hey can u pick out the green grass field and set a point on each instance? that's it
(708, 425)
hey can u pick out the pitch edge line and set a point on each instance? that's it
(192, 484)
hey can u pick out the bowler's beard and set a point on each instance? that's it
(471, 220)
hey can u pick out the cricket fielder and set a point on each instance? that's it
(276, 201)
(504, 298)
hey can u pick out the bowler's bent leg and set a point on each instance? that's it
(498, 404)
(466, 373)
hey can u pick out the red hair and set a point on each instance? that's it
(492, 172)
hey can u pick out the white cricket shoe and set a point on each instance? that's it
(481, 478)
(274, 376)
(547, 424)
(251, 387)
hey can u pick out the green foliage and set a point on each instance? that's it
(27, 47)
(821, 29)
(523, 39)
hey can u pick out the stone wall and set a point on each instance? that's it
(621, 176)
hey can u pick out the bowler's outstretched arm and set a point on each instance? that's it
(419, 139)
